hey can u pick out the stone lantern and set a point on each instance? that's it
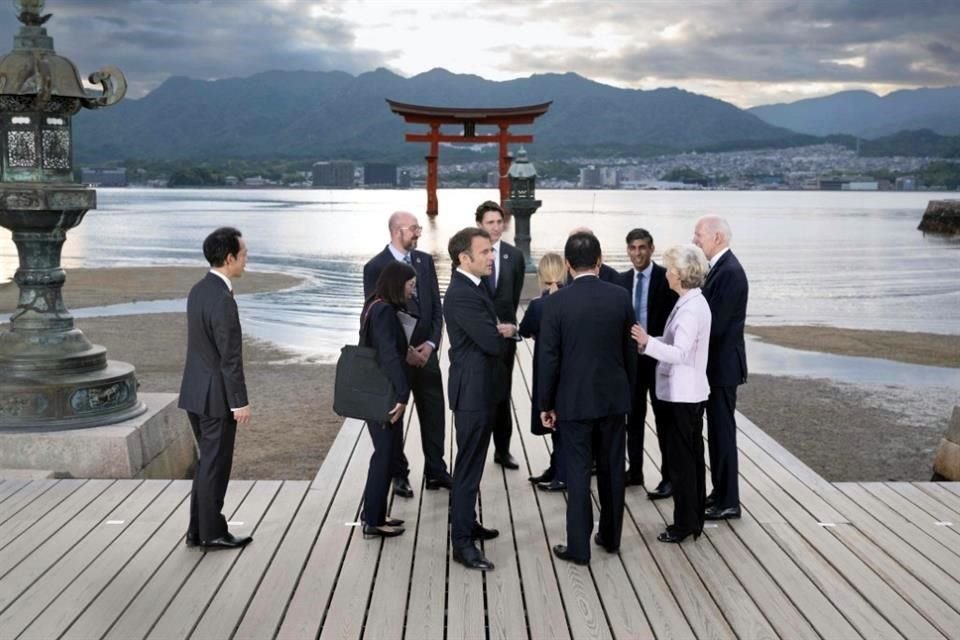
(522, 202)
(51, 376)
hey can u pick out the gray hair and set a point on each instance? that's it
(688, 262)
(716, 224)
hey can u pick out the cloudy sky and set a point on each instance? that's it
(748, 52)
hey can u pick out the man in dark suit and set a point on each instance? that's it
(477, 342)
(652, 303)
(422, 357)
(586, 366)
(213, 391)
(607, 273)
(726, 292)
(505, 284)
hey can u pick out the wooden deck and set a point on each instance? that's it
(85, 559)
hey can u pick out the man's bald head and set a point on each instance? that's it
(404, 230)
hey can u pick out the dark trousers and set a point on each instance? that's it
(215, 438)
(722, 440)
(578, 437)
(385, 439)
(503, 425)
(473, 440)
(683, 427)
(427, 386)
(645, 385)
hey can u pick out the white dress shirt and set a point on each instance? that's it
(682, 351)
(496, 264)
(224, 278)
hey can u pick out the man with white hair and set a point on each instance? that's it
(726, 291)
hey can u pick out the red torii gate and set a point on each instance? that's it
(501, 117)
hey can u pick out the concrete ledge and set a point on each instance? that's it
(157, 444)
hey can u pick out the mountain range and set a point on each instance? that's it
(334, 114)
(868, 115)
(326, 115)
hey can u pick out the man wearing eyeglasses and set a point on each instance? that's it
(424, 365)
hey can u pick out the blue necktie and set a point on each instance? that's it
(640, 302)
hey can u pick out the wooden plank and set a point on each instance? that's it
(944, 495)
(426, 609)
(29, 507)
(359, 573)
(582, 602)
(505, 595)
(920, 508)
(780, 454)
(10, 487)
(937, 612)
(30, 531)
(222, 616)
(265, 612)
(57, 562)
(193, 597)
(77, 596)
(390, 590)
(17, 500)
(541, 592)
(157, 579)
(308, 605)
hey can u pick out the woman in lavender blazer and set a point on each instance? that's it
(681, 355)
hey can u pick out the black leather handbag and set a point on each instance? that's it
(360, 388)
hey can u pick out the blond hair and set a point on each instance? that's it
(551, 269)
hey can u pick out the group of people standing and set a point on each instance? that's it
(605, 343)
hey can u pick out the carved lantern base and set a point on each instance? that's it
(51, 376)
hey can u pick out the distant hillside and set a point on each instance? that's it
(867, 115)
(333, 114)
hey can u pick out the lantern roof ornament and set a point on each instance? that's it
(522, 167)
(33, 68)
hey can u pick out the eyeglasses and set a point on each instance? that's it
(413, 228)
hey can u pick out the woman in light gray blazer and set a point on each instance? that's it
(681, 377)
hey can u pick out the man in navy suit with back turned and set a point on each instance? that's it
(422, 357)
(213, 391)
(726, 292)
(652, 303)
(477, 342)
(586, 368)
(504, 283)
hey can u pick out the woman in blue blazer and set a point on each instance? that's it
(381, 329)
(551, 273)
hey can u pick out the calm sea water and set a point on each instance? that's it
(828, 258)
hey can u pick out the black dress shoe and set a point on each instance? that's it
(711, 500)
(553, 485)
(600, 542)
(385, 531)
(479, 532)
(443, 482)
(546, 476)
(402, 488)
(472, 558)
(663, 490)
(226, 541)
(673, 536)
(561, 552)
(716, 513)
(190, 540)
(393, 522)
(505, 460)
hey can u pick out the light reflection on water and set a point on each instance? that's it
(828, 258)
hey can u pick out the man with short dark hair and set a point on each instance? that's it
(653, 301)
(476, 344)
(726, 290)
(504, 283)
(585, 370)
(213, 391)
(422, 357)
